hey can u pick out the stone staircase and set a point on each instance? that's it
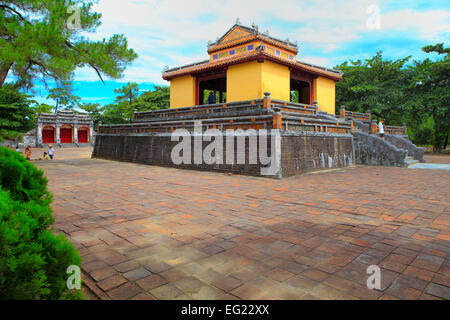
(410, 161)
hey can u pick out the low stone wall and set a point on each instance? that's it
(402, 143)
(286, 154)
(308, 151)
(372, 150)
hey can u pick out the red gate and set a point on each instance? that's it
(48, 136)
(66, 135)
(83, 136)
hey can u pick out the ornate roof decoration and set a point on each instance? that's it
(242, 44)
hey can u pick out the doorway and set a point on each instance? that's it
(83, 136)
(215, 84)
(66, 135)
(48, 135)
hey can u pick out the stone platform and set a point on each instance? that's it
(298, 138)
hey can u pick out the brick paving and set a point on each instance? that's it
(156, 233)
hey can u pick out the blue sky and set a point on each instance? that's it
(328, 32)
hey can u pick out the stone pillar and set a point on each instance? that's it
(58, 132)
(374, 126)
(316, 105)
(267, 100)
(39, 129)
(75, 133)
(343, 112)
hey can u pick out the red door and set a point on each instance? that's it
(83, 136)
(48, 136)
(66, 135)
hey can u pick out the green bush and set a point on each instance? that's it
(33, 261)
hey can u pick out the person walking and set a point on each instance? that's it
(381, 128)
(51, 151)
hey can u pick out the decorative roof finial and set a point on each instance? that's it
(267, 32)
(238, 21)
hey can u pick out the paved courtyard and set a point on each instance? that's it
(157, 233)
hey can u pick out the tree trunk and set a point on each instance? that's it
(4, 70)
(446, 142)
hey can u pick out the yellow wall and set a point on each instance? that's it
(276, 79)
(244, 82)
(325, 94)
(182, 92)
(250, 80)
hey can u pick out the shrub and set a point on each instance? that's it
(33, 261)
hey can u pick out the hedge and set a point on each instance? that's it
(33, 261)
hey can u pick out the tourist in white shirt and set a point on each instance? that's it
(381, 128)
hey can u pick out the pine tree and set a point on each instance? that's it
(42, 39)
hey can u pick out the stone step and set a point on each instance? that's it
(410, 161)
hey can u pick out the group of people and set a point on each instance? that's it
(47, 155)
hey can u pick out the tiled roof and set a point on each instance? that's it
(254, 34)
(251, 55)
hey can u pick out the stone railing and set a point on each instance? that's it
(403, 143)
(345, 114)
(253, 114)
(364, 122)
(372, 150)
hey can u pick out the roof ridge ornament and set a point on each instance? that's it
(238, 21)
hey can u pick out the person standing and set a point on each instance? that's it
(212, 98)
(381, 128)
(51, 151)
(18, 149)
(28, 153)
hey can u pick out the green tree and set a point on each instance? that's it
(63, 96)
(158, 98)
(45, 38)
(429, 96)
(128, 93)
(16, 114)
(376, 85)
(93, 109)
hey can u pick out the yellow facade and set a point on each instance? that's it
(276, 79)
(325, 94)
(182, 92)
(250, 80)
(244, 82)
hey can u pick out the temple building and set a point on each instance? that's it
(244, 64)
(64, 127)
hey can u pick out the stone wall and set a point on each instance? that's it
(156, 149)
(308, 151)
(290, 153)
(372, 150)
(402, 143)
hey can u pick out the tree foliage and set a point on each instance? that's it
(400, 91)
(33, 261)
(44, 39)
(121, 111)
(63, 96)
(16, 114)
